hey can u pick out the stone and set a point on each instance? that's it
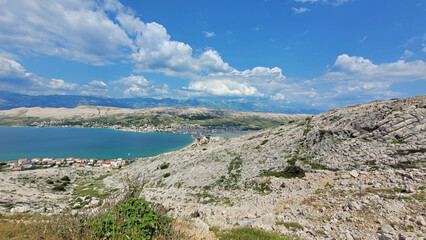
(349, 236)
(94, 203)
(408, 236)
(420, 221)
(354, 173)
(354, 206)
(268, 220)
(197, 223)
(23, 209)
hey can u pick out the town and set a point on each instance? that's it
(47, 162)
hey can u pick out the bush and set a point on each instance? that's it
(59, 188)
(66, 179)
(48, 181)
(164, 166)
(131, 218)
(166, 175)
(291, 171)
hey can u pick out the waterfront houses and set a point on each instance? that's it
(47, 162)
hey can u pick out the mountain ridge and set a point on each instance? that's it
(9, 100)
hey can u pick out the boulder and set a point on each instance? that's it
(22, 209)
(197, 223)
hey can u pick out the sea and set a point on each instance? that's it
(32, 142)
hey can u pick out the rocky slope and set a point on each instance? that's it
(365, 180)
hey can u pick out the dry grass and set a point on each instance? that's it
(20, 229)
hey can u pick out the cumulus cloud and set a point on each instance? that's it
(99, 32)
(225, 87)
(354, 79)
(137, 85)
(60, 84)
(14, 77)
(257, 82)
(74, 29)
(353, 68)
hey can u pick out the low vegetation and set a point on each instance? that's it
(291, 171)
(251, 234)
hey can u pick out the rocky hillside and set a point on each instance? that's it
(365, 175)
(107, 116)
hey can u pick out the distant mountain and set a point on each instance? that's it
(9, 100)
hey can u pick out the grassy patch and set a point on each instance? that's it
(91, 187)
(290, 225)
(260, 186)
(251, 234)
(234, 174)
(404, 165)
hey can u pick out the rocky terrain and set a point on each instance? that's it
(365, 176)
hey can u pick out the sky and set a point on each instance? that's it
(318, 54)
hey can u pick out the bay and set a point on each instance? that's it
(30, 142)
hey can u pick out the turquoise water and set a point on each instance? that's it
(29, 142)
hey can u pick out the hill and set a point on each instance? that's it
(147, 119)
(365, 167)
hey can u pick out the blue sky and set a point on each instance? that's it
(311, 53)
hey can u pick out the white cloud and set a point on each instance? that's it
(355, 79)
(305, 1)
(300, 10)
(99, 32)
(9, 68)
(60, 84)
(95, 88)
(137, 85)
(209, 34)
(407, 54)
(363, 39)
(257, 82)
(14, 77)
(347, 68)
(224, 87)
(331, 2)
(133, 80)
(74, 29)
(278, 97)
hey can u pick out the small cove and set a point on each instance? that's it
(30, 142)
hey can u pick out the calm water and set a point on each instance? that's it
(28, 142)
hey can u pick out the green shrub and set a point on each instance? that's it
(59, 188)
(164, 166)
(48, 181)
(291, 171)
(131, 218)
(166, 175)
(66, 179)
